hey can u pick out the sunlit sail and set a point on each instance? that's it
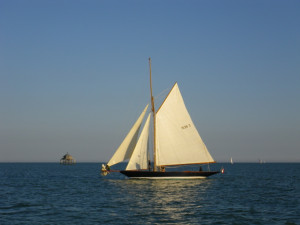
(176, 141)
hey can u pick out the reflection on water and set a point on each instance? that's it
(50, 193)
(163, 200)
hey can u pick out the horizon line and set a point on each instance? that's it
(170, 166)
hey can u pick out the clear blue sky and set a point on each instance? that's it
(74, 75)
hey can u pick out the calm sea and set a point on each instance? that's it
(50, 193)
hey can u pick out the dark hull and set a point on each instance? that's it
(168, 175)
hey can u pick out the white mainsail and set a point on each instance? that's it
(125, 149)
(177, 139)
(139, 157)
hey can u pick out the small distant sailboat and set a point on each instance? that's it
(231, 161)
(176, 142)
(262, 161)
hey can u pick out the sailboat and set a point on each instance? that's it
(176, 142)
(231, 161)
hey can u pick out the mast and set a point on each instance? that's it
(154, 120)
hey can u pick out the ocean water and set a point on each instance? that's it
(50, 193)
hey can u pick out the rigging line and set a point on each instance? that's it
(164, 92)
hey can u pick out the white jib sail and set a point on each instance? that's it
(177, 139)
(125, 149)
(139, 157)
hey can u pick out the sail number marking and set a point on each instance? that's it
(186, 126)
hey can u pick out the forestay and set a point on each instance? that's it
(139, 158)
(124, 151)
(177, 139)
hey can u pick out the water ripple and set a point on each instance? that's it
(55, 194)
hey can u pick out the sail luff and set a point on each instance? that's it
(139, 157)
(166, 97)
(127, 146)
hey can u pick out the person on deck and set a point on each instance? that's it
(149, 165)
